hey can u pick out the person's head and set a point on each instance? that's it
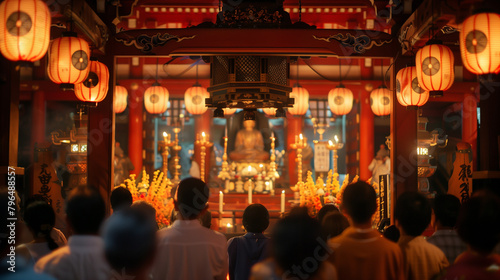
(334, 223)
(297, 245)
(256, 218)
(446, 209)
(392, 233)
(144, 207)
(191, 198)
(120, 198)
(326, 209)
(40, 219)
(412, 213)
(129, 241)
(85, 210)
(359, 202)
(479, 222)
(249, 124)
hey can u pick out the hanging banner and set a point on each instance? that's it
(321, 157)
(460, 183)
(384, 196)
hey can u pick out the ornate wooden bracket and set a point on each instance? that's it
(359, 44)
(146, 43)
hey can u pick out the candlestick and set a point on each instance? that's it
(299, 145)
(221, 202)
(250, 192)
(164, 145)
(334, 147)
(283, 201)
(177, 148)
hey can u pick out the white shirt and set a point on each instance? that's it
(83, 258)
(187, 250)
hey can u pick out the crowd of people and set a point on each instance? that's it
(337, 244)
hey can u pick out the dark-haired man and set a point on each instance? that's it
(83, 257)
(120, 198)
(245, 251)
(422, 259)
(187, 250)
(360, 252)
(445, 237)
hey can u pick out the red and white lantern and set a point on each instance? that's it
(408, 90)
(95, 87)
(156, 99)
(194, 99)
(340, 100)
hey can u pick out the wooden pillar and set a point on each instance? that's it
(203, 123)
(469, 124)
(489, 133)
(366, 135)
(9, 116)
(101, 128)
(294, 127)
(135, 130)
(403, 141)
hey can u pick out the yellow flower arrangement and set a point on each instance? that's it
(156, 193)
(315, 195)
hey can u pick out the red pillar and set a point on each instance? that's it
(135, 115)
(294, 127)
(366, 136)
(203, 123)
(38, 118)
(469, 124)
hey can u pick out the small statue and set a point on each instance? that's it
(249, 144)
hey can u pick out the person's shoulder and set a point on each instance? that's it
(58, 257)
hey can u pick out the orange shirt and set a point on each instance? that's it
(364, 254)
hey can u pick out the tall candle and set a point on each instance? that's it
(283, 201)
(250, 192)
(221, 201)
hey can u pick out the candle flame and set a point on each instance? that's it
(249, 168)
(164, 134)
(330, 143)
(300, 136)
(203, 134)
(336, 139)
(220, 192)
(283, 191)
(228, 225)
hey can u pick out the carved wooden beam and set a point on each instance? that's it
(436, 14)
(225, 41)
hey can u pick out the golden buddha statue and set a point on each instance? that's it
(249, 144)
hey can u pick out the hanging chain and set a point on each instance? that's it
(157, 69)
(340, 72)
(300, 10)
(297, 71)
(197, 72)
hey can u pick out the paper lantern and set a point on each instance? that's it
(121, 96)
(229, 111)
(480, 43)
(194, 98)
(301, 101)
(340, 100)
(156, 99)
(95, 87)
(435, 68)
(408, 90)
(68, 60)
(269, 111)
(380, 101)
(24, 29)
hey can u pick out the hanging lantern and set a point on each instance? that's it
(24, 29)
(435, 68)
(301, 101)
(95, 87)
(229, 111)
(68, 60)
(380, 101)
(194, 98)
(340, 100)
(269, 111)
(480, 42)
(156, 99)
(408, 90)
(121, 96)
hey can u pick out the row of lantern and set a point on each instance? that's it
(25, 36)
(434, 70)
(340, 100)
